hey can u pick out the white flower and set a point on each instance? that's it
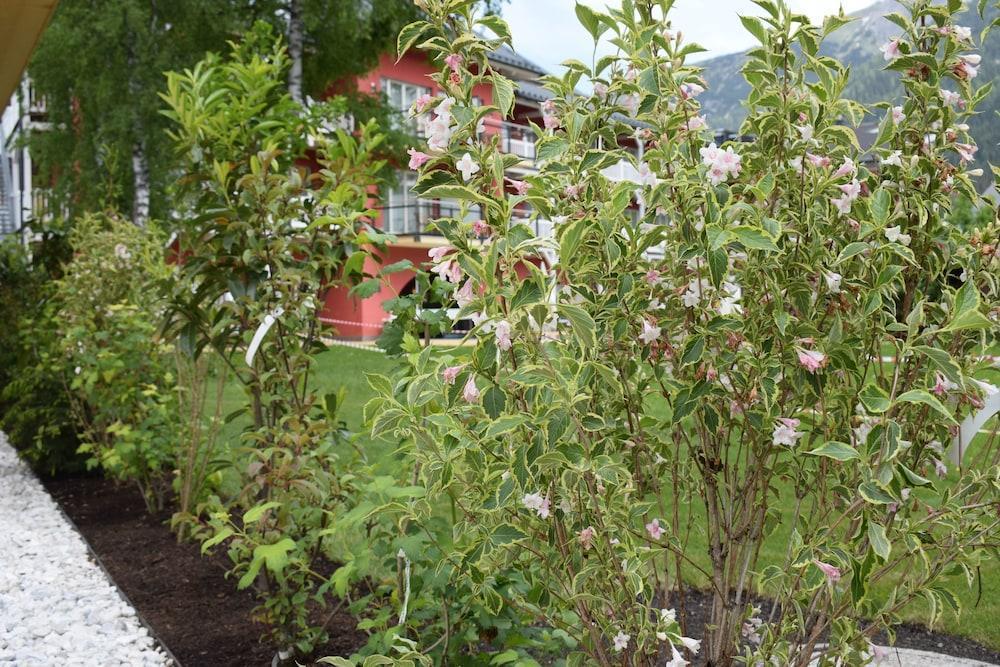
(676, 659)
(467, 166)
(897, 115)
(729, 306)
(950, 98)
(621, 641)
(693, 645)
(122, 252)
(962, 33)
(646, 175)
(895, 235)
(894, 160)
(650, 332)
(668, 615)
(806, 131)
(785, 433)
(538, 503)
(833, 281)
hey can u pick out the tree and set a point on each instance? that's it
(100, 68)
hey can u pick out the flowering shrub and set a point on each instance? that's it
(276, 213)
(777, 334)
(121, 385)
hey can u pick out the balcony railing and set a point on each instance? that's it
(413, 218)
(515, 139)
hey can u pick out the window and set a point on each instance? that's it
(401, 97)
(404, 213)
(401, 205)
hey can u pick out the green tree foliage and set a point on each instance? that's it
(100, 68)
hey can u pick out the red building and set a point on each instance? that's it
(401, 212)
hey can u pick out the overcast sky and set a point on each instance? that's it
(547, 31)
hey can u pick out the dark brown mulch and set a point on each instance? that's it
(201, 617)
(908, 635)
(191, 607)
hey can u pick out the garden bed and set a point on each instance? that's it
(184, 596)
(201, 617)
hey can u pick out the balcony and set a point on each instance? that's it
(413, 218)
(515, 139)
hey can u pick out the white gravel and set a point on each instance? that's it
(56, 605)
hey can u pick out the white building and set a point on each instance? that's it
(21, 25)
(19, 198)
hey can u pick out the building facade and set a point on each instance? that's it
(406, 216)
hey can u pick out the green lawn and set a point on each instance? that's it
(346, 367)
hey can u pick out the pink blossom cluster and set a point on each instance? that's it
(721, 163)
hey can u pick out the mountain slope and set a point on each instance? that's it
(856, 45)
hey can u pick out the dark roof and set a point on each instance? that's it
(507, 56)
(532, 91)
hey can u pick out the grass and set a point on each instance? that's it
(344, 367)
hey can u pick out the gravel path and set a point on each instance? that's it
(57, 607)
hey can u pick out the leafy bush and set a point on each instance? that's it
(122, 388)
(34, 408)
(275, 196)
(717, 361)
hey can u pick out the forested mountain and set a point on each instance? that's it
(857, 45)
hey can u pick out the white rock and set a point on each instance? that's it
(56, 605)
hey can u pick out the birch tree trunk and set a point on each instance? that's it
(140, 184)
(295, 40)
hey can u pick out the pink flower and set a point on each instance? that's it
(968, 66)
(652, 277)
(818, 161)
(454, 61)
(480, 228)
(601, 90)
(940, 468)
(654, 529)
(520, 187)
(422, 102)
(967, 151)
(785, 433)
(689, 90)
(832, 573)
(851, 190)
(843, 204)
(897, 115)
(943, 385)
(586, 537)
(538, 503)
(417, 159)
(846, 169)
(812, 360)
(502, 332)
(572, 191)
(951, 98)
(438, 253)
(470, 392)
(451, 373)
(890, 50)
(551, 122)
(697, 123)
(464, 295)
(721, 164)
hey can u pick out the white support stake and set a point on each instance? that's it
(262, 330)
(970, 427)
